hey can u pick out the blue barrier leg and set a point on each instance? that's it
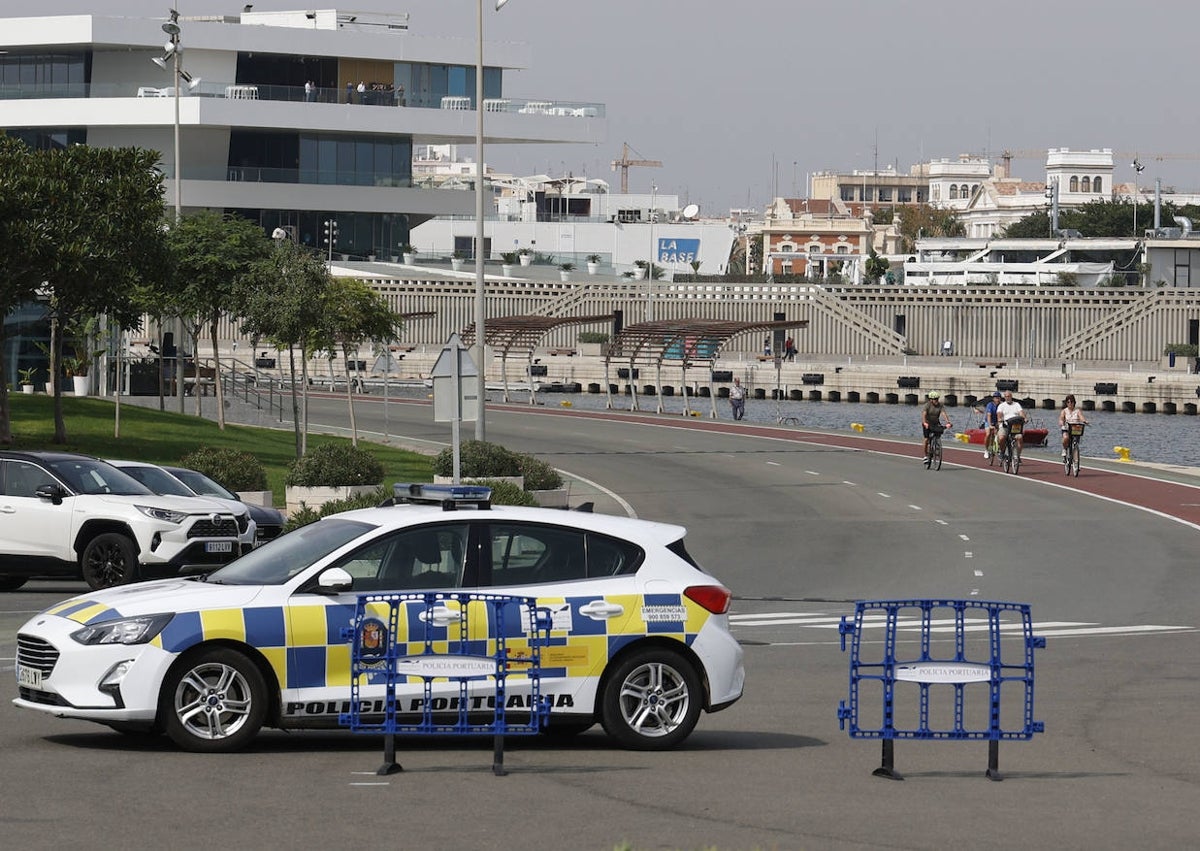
(498, 756)
(390, 766)
(888, 769)
(993, 769)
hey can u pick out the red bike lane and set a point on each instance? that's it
(1137, 486)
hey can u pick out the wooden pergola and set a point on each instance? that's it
(521, 335)
(687, 341)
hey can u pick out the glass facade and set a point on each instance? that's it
(425, 85)
(39, 75)
(359, 235)
(337, 159)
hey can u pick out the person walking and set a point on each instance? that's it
(309, 91)
(789, 349)
(737, 399)
(362, 92)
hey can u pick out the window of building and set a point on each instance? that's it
(1086, 185)
(885, 193)
(953, 191)
(1096, 184)
(1183, 268)
(1074, 185)
(904, 195)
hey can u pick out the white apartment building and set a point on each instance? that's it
(291, 119)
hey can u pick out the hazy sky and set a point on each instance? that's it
(742, 101)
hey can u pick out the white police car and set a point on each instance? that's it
(639, 633)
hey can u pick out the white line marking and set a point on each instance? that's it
(812, 472)
(974, 592)
(979, 573)
(774, 464)
(851, 484)
(616, 497)
(915, 507)
(884, 495)
(941, 522)
(968, 554)
(964, 537)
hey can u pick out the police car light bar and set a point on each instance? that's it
(449, 497)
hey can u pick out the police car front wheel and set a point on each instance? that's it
(214, 701)
(652, 700)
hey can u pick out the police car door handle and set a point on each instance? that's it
(442, 615)
(601, 609)
(8, 509)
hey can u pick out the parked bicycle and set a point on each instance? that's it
(1074, 438)
(1010, 454)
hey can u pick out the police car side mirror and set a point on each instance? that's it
(51, 491)
(334, 581)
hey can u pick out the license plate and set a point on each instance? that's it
(218, 547)
(30, 677)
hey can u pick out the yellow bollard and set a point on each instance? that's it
(566, 403)
(859, 427)
(1123, 452)
(693, 413)
(962, 438)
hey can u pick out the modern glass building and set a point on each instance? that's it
(291, 119)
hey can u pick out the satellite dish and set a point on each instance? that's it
(691, 211)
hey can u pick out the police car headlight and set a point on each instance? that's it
(162, 513)
(136, 630)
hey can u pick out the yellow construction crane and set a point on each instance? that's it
(625, 162)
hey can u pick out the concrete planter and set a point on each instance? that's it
(596, 350)
(27, 389)
(526, 259)
(457, 264)
(593, 268)
(554, 498)
(82, 384)
(506, 270)
(409, 259)
(318, 496)
(264, 498)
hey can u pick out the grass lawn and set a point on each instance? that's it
(162, 437)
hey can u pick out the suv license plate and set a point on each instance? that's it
(30, 677)
(218, 547)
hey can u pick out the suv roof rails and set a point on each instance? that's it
(449, 497)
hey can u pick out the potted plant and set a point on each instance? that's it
(457, 259)
(78, 369)
(564, 270)
(407, 252)
(593, 263)
(525, 255)
(640, 272)
(27, 379)
(328, 472)
(508, 260)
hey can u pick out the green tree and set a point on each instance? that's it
(282, 298)
(210, 253)
(876, 267)
(922, 220)
(21, 239)
(355, 314)
(99, 210)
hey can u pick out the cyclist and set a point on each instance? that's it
(990, 421)
(1069, 414)
(1005, 411)
(931, 418)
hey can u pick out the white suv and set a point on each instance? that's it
(75, 516)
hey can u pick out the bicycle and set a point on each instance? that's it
(1074, 437)
(1010, 455)
(933, 459)
(992, 446)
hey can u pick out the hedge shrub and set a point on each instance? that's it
(480, 459)
(335, 465)
(306, 515)
(233, 468)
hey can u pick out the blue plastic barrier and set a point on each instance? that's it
(962, 651)
(455, 641)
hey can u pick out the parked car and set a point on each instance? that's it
(162, 482)
(268, 521)
(74, 516)
(639, 634)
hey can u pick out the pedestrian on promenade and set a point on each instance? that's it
(362, 92)
(309, 91)
(767, 347)
(789, 349)
(349, 92)
(737, 399)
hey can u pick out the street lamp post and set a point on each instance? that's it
(172, 49)
(1138, 168)
(331, 235)
(650, 269)
(480, 311)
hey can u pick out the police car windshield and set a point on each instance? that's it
(279, 560)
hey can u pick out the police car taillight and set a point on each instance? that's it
(714, 598)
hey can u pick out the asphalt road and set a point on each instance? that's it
(798, 530)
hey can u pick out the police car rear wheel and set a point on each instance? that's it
(214, 701)
(652, 701)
